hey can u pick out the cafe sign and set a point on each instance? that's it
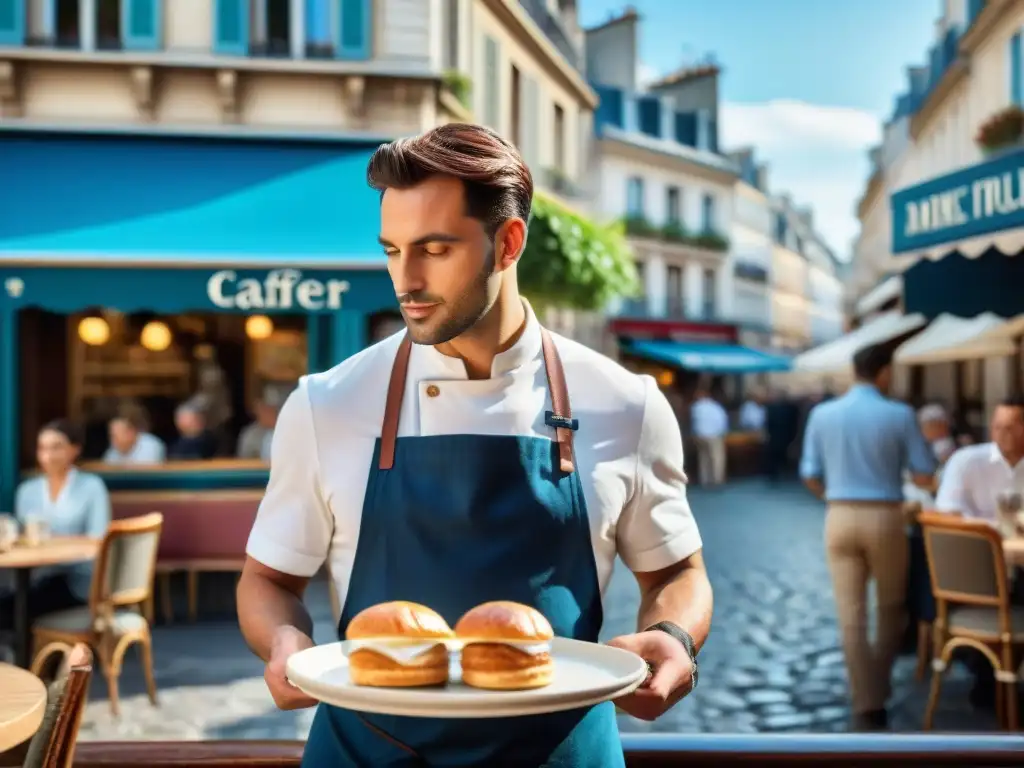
(979, 200)
(278, 289)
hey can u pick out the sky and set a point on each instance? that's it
(807, 82)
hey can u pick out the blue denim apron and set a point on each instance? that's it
(453, 521)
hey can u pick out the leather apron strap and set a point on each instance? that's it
(559, 418)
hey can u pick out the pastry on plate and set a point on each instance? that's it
(398, 645)
(505, 646)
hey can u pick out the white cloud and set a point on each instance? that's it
(645, 74)
(816, 153)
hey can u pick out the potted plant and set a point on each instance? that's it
(574, 262)
(1002, 129)
(458, 85)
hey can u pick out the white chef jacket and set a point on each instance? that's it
(628, 450)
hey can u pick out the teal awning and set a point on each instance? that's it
(706, 358)
(119, 200)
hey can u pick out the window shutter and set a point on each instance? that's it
(140, 22)
(493, 85)
(355, 29)
(12, 22)
(318, 23)
(530, 119)
(1016, 64)
(231, 32)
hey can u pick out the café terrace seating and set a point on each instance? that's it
(641, 751)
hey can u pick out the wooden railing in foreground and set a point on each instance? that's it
(642, 751)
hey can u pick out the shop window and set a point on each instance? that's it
(230, 372)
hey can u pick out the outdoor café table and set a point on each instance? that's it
(59, 550)
(22, 704)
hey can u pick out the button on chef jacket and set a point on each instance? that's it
(628, 452)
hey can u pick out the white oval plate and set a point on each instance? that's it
(585, 674)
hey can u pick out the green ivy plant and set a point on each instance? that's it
(573, 262)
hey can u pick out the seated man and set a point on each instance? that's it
(971, 482)
(195, 441)
(130, 441)
(976, 474)
(936, 430)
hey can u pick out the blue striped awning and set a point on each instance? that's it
(707, 358)
(120, 200)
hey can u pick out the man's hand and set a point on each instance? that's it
(287, 640)
(671, 678)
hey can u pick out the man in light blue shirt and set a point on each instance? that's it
(856, 450)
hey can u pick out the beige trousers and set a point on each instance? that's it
(711, 460)
(868, 541)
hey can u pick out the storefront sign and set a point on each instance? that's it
(976, 201)
(674, 330)
(279, 289)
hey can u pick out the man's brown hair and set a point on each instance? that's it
(498, 185)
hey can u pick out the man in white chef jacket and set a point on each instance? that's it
(470, 457)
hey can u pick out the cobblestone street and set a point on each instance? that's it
(772, 663)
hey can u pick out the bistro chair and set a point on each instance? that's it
(53, 745)
(114, 619)
(970, 583)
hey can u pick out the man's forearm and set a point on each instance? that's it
(684, 598)
(263, 607)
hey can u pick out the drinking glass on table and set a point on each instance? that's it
(8, 531)
(36, 531)
(1009, 506)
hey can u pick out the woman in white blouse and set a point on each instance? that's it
(71, 503)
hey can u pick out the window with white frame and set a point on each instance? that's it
(293, 28)
(673, 206)
(108, 25)
(707, 221)
(635, 197)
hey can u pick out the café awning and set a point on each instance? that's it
(131, 200)
(706, 358)
(950, 338)
(836, 357)
(890, 288)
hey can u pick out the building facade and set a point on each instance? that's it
(941, 216)
(751, 239)
(807, 295)
(194, 188)
(658, 168)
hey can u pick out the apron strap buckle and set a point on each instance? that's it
(561, 422)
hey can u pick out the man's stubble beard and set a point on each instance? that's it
(465, 311)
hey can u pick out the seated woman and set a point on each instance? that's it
(71, 503)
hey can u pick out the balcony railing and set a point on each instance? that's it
(641, 750)
(753, 272)
(554, 29)
(675, 232)
(557, 181)
(675, 309)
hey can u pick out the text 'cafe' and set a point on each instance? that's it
(258, 255)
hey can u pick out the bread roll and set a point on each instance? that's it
(507, 646)
(398, 645)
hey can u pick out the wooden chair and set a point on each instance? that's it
(53, 745)
(970, 582)
(114, 619)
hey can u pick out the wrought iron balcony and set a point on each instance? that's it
(554, 29)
